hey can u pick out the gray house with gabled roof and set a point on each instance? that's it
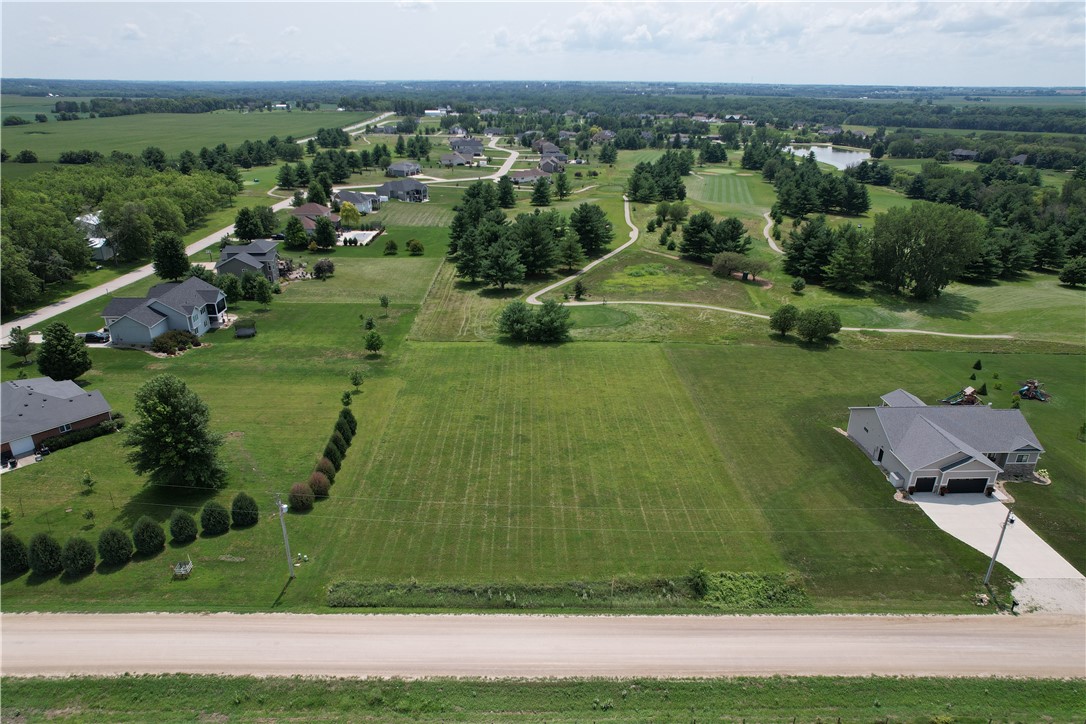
(407, 189)
(944, 449)
(258, 256)
(37, 409)
(192, 305)
(403, 168)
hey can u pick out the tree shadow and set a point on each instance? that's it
(822, 345)
(36, 579)
(174, 544)
(108, 569)
(949, 305)
(158, 503)
(138, 557)
(7, 577)
(68, 579)
(507, 293)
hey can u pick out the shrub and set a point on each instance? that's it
(319, 484)
(324, 269)
(698, 580)
(983, 389)
(67, 439)
(244, 511)
(339, 441)
(173, 341)
(977, 365)
(114, 547)
(301, 497)
(148, 536)
(391, 248)
(414, 247)
(973, 376)
(332, 453)
(44, 554)
(13, 554)
(347, 415)
(784, 319)
(214, 520)
(77, 557)
(346, 398)
(727, 262)
(325, 466)
(182, 526)
(344, 429)
(798, 285)
(815, 324)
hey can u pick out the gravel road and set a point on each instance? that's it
(542, 646)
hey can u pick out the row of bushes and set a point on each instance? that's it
(174, 341)
(323, 476)
(45, 556)
(67, 439)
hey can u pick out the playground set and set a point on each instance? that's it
(967, 396)
(1032, 390)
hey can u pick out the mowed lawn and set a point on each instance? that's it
(507, 463)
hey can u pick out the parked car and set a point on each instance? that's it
(95, 337)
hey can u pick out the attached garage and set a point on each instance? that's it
(925, 485)
(966, 485)
(22, 446)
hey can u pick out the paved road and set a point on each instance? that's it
(542, 646)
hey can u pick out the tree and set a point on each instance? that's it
(262, 292)
(19, 286)
(301, 497)
(1074, 272)
(355, 376)
(26, 156)
(507, 195)
(182, 526)
(391, 247)
(698, 237)
(922, 248)
(324, 269)
(551, 323)
(798, 285)
(202, 273)
(516, 321)
(87, 482)
(784, 319)
(21, 346)
(534, 235)
(384, 301)
(230, 284)
(114, 547)
(541, 192)
(13, 555)
(373, 342)
(727, 263)
(569, 252)
(154, 157)
(593, 230)
(608, 153)
(850, 262)
(148, 536)
(315, 193)
(346, 399)
(815, 324)
(130, 230)
(43, 555)
(171, 439)
(349, 215)
(561, 185)
(169, 258)
(62, 355)
(294, 236)
(324, 235)
(414, 247)
(286, 178)
(214, 520)
(78, 557)
(579, 289)
(501, 263)
(244, 511)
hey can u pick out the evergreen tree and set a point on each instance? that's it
(325, 234)
(592, 229)
(316, 193)
(21, 346)
(570, 253)
(561, 185)
(171, 262)
(697, 240)
(246, 225)
(501, 263)
(808, 250)
(507, 195)
(62, 355)
(534, 236)
(850, 262)
(294, 235)
(286, 178)
(541, 192)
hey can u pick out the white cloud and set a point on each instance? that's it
(131, 31)
(640, 35)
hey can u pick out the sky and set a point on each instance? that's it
(851, 43)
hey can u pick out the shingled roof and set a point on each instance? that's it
(42, 403)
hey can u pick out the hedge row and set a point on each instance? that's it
(318, 487)
(67, 439)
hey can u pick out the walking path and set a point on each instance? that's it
(534, 297)
(769, 236)
(515, 646)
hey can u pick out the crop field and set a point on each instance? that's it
(172, 132)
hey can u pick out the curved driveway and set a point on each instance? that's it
(504, 646)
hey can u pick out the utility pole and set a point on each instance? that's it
(286, 541)
(1009, 520)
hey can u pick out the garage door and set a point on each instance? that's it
(22, 447)
(967, 485)
(925, 485)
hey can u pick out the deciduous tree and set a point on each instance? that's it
(21, 346)
(170, 261)
(62, 355)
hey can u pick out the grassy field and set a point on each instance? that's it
(172, 132)
(775, 699)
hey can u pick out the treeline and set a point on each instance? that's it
(337, 165)
(485, 246)
(110, 107)
(1041, 151)
(804, 189)
(660, 180)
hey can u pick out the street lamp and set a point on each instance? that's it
(1009, 520)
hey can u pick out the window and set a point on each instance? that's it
(1021, 458)
(65, 428)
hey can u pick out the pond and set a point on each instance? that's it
(839, 158)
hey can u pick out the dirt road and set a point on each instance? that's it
(542, 646)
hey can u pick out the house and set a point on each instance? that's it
(192, 305)
(467, 147)
(527, 176)
(308, 213)
(458, 131)
(944, 449)
(567, 135)
(403, 168)
(91, 225)
(435, 113)
(455, 159)
(542, 145)
(407, 189)
(830, 130)
(551, 164)
(963, 154)
(364, 202)
(34, 410)
(493, 131)
(259, 256)
(603, 136)
(1019, 160)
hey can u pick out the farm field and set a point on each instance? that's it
(172, 132)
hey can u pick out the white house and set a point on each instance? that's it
(944, 449)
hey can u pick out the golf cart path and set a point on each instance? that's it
(766, 232)
(534, 297)
(504, 646)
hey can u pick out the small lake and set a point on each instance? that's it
(837, 157)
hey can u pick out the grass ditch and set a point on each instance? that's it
(725, 591)
(780, 699)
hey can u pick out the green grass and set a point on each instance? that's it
(361, 281)
(172, 132)
(776, 699)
